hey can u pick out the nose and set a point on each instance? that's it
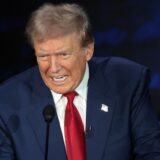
(54, 64)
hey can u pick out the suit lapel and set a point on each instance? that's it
(97, 117)
(40, 98)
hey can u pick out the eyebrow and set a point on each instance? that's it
(44, 53)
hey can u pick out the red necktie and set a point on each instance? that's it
(74, 131)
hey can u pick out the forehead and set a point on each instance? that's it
(60, 42)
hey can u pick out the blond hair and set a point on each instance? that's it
(51, 20)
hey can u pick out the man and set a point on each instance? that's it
(112, 99)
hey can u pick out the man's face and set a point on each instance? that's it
(62, 62)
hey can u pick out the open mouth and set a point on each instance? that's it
(59, 78)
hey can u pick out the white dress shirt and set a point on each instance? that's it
(79, 101)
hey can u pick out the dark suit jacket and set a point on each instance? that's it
(129, 128)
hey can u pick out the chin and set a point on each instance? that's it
(59, 91)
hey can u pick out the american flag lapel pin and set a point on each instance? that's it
(104, 108)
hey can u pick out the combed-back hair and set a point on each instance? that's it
(52, 20)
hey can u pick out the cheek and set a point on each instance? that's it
(42, 67)
(78, 69)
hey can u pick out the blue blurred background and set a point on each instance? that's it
(123, 28)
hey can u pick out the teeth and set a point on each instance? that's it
(59, 78)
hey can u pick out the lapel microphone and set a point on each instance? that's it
(89, 131)
(48, 114)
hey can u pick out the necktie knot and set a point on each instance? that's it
(71, 95)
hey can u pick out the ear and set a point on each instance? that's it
(89, 51)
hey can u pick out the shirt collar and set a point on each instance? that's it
(81, 89)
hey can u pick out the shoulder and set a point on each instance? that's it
(20, 78)
(120, 73)
(116, 62)
(119, 66)
(18, 86)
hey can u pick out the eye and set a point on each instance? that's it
(42, 57)
(64, 55)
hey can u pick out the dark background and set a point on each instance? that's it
(123, 28)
